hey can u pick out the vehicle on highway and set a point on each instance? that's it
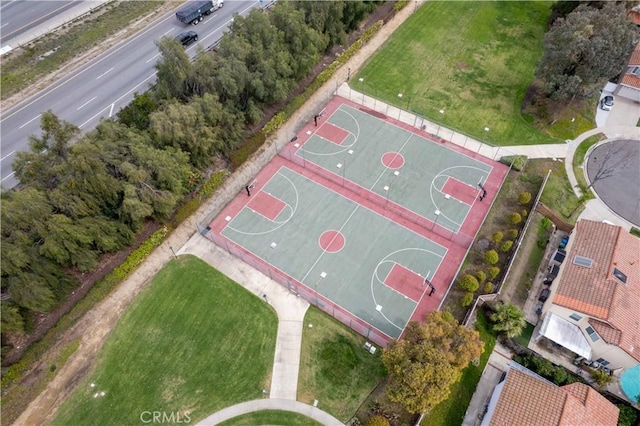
(187, 37)
(606, 103)
(195, 11)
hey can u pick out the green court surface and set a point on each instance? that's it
(420, 175)
(352, 256)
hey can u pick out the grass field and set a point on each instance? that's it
(271, 417)
(334, 367)
(194, 342)
(473, 60)
(452, 410)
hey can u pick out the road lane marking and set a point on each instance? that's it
(7, 176)
(104, 73)
(34, 118)
(8, 155)
(152, 58)
(86, 103)
(167, 32)
(111, 110)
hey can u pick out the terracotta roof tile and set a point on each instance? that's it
(526, 400)
(635, 56)
(608, 333)
(595, 291)
(529, 400)
(631, 80)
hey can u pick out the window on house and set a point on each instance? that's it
(635, 71)
(603, 362)
(575, 317)
(619, 275)
(582, 261)
(592, 334)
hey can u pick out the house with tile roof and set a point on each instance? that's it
(629, 83)
(524, 398)
(594, 306)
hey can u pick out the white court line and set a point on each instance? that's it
(8, 155)
(104, 73)
(86, 103)
(34, 118)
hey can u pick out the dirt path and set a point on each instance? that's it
(95, 326)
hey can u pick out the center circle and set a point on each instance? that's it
(392, 160)
(331, 241)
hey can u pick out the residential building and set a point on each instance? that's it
(523, 398)
(629, 83)
(594, 306)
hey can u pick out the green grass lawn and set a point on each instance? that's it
(558, 194)
(474, 60)
(193, 342)
(523, 339)
(334, 367)
(452, 410)
(271, 417)
(578, 160)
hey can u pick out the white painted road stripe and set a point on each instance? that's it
(86, 103)
(34, 118)
(104, 73)
(8, 155)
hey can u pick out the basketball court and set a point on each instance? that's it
(363, 216)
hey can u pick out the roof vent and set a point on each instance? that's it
(582, 261)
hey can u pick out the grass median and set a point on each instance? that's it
(472, 60)
(53, 51)
(193, 343)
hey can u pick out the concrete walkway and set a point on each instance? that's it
(290, 310)
(270, 404)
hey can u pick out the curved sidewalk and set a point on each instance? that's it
(596, 209)
(271, 404)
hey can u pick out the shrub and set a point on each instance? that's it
(513, 233)
(481, 276)
(524, 198)
(515, 218)
(545, 223)
(488, 287)
(519, 161)
(212, 184)
(497, 237)
(249, 146)
(493, 272)
(601, 378)
(491, 257)
(524, 213)
(399, 5)
(635, 231)
(506, 246)
(377, 420)
(468, 283)
(466, 300)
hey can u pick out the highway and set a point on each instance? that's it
(106, 84)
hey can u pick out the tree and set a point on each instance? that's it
(524, 198)
(491, 257)
(12, 321)
(497, 237)
(377, 420)
(468, 283)
(584, 50)
(174, 70)
(467, 299)
(508, 318)
(506, 246)
(136, 114)
(493, 272)
(428, 360)
(601, 378)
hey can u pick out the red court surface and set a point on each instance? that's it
(460, 190)
(402, 280)
(266, 205)
(406, 282)
(332, 133)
